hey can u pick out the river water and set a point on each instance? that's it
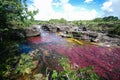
(106, 61)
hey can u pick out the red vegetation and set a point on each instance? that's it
(106, 61)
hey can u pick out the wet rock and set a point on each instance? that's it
(33, 53)
(82, 33)
(76, 34)
(84, 29)
(56, 27)
(32, 31)
(107, 41)
(64, 35)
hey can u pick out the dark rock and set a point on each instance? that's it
(84, 29)
(56, 27)
(76, 34)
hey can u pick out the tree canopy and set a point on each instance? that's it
(62, 20)
(109, 18)
(14, 13)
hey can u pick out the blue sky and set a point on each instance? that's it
(74, 9)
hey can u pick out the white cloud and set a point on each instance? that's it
(56, 4)
(111, 7)
(44, 7)
(107, 6)
(82, 15)
(69, 12)
(88, 1)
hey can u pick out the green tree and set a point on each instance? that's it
(110, 18)
(97, 20)
(62, 20)
(14, 15)
(115, 30)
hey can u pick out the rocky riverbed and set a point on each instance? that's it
(81, 33)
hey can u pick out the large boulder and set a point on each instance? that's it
(56, 27)
(32, 31)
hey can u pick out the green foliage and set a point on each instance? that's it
(115, 30)
(62, 20)
(88, 73)
(71, 72)
(25, 64)
(107, 19)
(97, 19)
(77, 23)
(110, 18)
(43, 22)
(14, 15)
(8, 58)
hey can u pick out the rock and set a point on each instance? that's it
(28, 70)
(64, 35)
(82, 32)
(32, 31)
(96, 40)
(33, 53)
(35, 63)
(56, 27)
(84, 29)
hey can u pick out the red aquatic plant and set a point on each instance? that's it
(106, 61)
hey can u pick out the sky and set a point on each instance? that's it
(74, 9)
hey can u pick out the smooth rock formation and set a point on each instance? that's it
(82, 33)
(56, 27)
(32, 31)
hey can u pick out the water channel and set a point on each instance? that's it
(106, 61)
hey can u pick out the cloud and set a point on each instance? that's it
(69, 12)
(88, 1)
(82, 15)
(107, 6)
(111, 7)
(44, 7)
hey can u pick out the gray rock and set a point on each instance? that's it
(32, 31)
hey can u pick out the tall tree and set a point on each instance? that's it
(14, 13)
(13, 16)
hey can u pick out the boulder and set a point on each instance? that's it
(32, 31)
(56, 27)
(64, 35)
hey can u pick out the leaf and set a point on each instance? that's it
(54, 75)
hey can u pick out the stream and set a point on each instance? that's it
(106, 61)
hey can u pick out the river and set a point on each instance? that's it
(106, 61)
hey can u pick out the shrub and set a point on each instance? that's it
(73, 72)
(25, 64)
